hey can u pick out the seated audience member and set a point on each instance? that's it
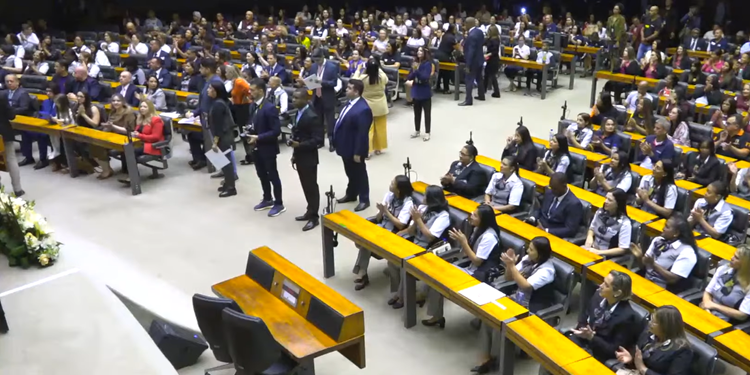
(679, 131)
(605, 140)
(136, 47)
(743, 100)
(616, 174)
(278, 95)
(9, 62)
(580, 133)
(728, 108)
(556, 158)
(129, 91)
(610, 231)
(628, 65)
(131, 65)
(727, 81)
(728, 294)
(78, 46)
(465, 177)
(670, 258)
(61, 77)
(394, 214)
(671, 84)
(429, 221)
(655, 69)
(354, 64)
(695, 75)
(83, 83)
(520, 51)
(533, 277)
(681, 60)
(662, 348)
(711, 95)
(482, 249)
(603, 108)
(391, 58)
(642, 119)
(543, 57)
(657, 146)
(714, 63)
(522, 148)
(154, 94)
(631, 101)
(712, 215)
(707, 166)
(561, 211)
(252, 65)
(739, 181)
(733, 142)
(161, 73)
(275, 69)
(149, 128)
(47, 112)
(37, 66)
(505, 190)
(607, 323)
(657, 193)
(156, 52)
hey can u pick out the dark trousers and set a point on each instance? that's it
(228, 170)
(3, 322)
(241, 115)
(308, 177)
(530, 74)
(327, 114)
(265, 166)
(419, 106)
(512, 71)
(444, 78)
(195, 139)
(27, 141)
(475, 74)
(490, 77)
(359, 185)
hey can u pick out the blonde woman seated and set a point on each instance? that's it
(728, 294)
(121, 121)
(149, 128)
(610, 231)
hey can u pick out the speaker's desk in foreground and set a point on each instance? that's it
(306, 317)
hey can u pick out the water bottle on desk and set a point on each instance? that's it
(551, 134)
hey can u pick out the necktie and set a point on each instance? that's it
(553, 206)
(692, 45)
(318, 91)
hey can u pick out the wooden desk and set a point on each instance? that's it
(699, 108)
(719, 250)
(700, 322)
(528, 64)
(420, 187)
(194, 127)
(107, 140)
(593, 159)
(36, 125)
(731, 199)
(464, 204)
(574, 255)
(734, 347)
(297, 326)
(640, 286)
(587, 366)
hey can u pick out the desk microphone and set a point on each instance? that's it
(470, 142)
(331, 199)
(407, 167)
(565, 110)
(520, 123)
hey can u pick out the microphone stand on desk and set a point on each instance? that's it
(330, 206)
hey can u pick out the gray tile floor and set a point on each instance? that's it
(180, 232)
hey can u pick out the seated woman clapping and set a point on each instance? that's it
(671, 257)
(662, 348)
(557, 158)
(482, 251)
(610, 231)
(728, 294)
(394, 214)
(711, 215)
(429, 221)
(505, 190)
(657, 193)
(616, 174)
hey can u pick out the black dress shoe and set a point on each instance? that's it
(331, 148)
(302, 218)
(346, 199)
(480, 98)
(464, 104)
(41, 164)
(221, 188)
(362, 282)
(19, 193)
(246, 162)
(310, 225)
(431, 323)
(199, 165)
(496, 95)
(228, 193)
(484, 367)
(218, 174)
(26, 161)
(361, 207)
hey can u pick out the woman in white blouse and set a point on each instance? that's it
(425, 27)
(415, 40)
(381, 43)
(557, 157)
(520, 51)
(341, 31)
(100, 58)
(87, 61)
(252, 64)
(110, 44)
(657, 193)
(136, 46)
(394, 214)
(610, 232)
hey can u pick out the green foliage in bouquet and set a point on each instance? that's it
(25, 237)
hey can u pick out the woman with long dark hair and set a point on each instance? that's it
(394, 214)
(505, 190)
(421, 91)
(580, 134)
(222, 125)
(642, 120)
(192, 79)
(603, 108)
(493, 60)
(628, 65)
(605, 140)
(375, 80)
(556, 158)
(679, 131)
(522, 147)
(610, 231)
(616, 174)
(706, 168)
(482, 249)
(657, 193)
(671, 257)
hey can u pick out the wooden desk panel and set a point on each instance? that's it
(570, 253)
(565, 57)
(734, 346)
(372, 237)
(104, 139)
(687, 185)
(719, 250)
(464, 204)
(641, 287)
(420, 187)
(37, 125)
(700, 322)
(545, 344)
(634, 137)
(439, 274)
(495, 315)
(588, 366)
(733, 200)
(526, 64)
(592, 158)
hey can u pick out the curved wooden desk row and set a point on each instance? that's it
(593, 159)
(553, 350)
(306, 317)
(181, 95)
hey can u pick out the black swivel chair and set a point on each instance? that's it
(565, 281)
(577, 169)
(253, 347)
(583, 231)
(208, 313)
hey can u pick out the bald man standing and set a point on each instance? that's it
(128, 90)
(474, 59)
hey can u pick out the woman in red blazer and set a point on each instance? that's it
(149, 128)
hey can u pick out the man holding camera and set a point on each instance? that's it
(307, 137)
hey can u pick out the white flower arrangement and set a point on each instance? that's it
(25, 236)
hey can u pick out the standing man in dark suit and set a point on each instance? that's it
(157, 53)
(324, 98)
(19, 102)
(165, 79)
(128, 90)
(6, 132)
(561, 211)
(275, 69)
(474, 59)
(352, 142)
(307, 137)
(263, 134)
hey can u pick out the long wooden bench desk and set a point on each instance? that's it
(593, 159)
(456, 201)
(306, 317)
(734, 346)
(181, 95)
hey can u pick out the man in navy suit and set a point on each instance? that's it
(694, 41)
(263, 137)
(561, 211)
(324, 98)
(19, 102)
(165, 79)
(350, 137)
(474, 59)
(274, 69)
(157, 53)
(128, 90)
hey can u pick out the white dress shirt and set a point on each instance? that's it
(28, 42)
(101, 59)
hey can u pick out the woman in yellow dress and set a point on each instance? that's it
(375, 81)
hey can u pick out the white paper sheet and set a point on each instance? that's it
(172, 115)
(218, 159)
(190, 120)
(482, 294)
(312, 82)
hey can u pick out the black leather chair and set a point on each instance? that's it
(34, 84)
(528, 200)
(170, 97)
(565, 281)
(683, 202)
(391, 88)
(208, 313)
(242, 43)
(699, 133)
(698, 278)
(577, 169)
(253, 347)
(737, 232)
(114, 58)
(583, 230)
(108, 73)
(626, 142)
(704, 357)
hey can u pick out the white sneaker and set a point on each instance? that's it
(415, 135)
(426, 137)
